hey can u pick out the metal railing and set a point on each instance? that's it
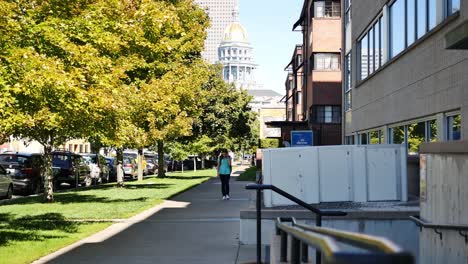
(437, 227)
(318, 219)
(377, 249)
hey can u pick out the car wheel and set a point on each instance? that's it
(10, 192)
(88, 181)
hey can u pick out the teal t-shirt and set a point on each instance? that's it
(224, 167)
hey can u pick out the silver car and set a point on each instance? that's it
(6, 184)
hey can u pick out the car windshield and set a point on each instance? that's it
(13, 158)
(127, 160)
(61, 160)
(90, 159)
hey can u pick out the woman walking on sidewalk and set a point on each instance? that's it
(224, 169)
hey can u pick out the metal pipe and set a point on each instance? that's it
(318, 255)
(295, 250)
(284, 247)
(305, 252)
(259, 227)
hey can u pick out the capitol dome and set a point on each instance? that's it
(236, 55)
(235, 33)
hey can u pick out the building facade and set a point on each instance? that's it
(403, 82)
(294, 85)
(220, 13)
(314, 82)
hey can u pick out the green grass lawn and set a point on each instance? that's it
(249, 175)
(30, 228)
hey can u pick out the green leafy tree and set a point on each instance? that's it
(226, 118)
(121, 72)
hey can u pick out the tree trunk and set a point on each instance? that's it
(161, 162)
(203, 161)
(194, 163)
(119, 155)
(140, 164)
(182, 166)
(48, 175)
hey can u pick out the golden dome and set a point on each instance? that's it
(235, 33)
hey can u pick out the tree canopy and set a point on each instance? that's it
(124, 72)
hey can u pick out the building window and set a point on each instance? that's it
(416, 136)
(421, 14)
(397, 27)
(432, 13)
(454, 127)
(327, 9)
(349, 140)
(398, 135)
(347, 11)
(370, 50)
(328, 114)
(327, 61)
(377, 46)
(299, 60)
(364, 139)
(374, 137)
(348, 98)
(431, 128)
(298, 97)
(411, 21)
(452, 6)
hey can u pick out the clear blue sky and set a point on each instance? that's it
(269, 26)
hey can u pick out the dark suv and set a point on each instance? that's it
(70, 168)
(25, 171)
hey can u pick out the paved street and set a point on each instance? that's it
(196, 227)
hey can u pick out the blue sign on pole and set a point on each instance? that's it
(303, 138)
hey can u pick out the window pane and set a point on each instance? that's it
(398, 135)
(432, 14)
(364, 58)
(377, 45)
(348, 71)
(319, 8)
(421, 24)
(381, 41)
(432, 126)
(374, 137)
(454, 127)
(397, 27)
(363, 139)
(416, 136)
(453, 6)
(348, 101)
(410, 18)
(371, 51)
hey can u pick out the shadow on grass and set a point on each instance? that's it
(80, 196)
(29, 228)
(186, 177)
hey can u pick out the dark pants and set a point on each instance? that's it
(225, 183)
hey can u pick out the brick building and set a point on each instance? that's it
(313, 85)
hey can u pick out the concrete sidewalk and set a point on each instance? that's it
(194, 227)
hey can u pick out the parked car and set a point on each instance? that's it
(151, 163)
(25, 171)
(98, 166)
(134, 156)
(6, 184)
(112, 165)
(70, 168)
(130, 168)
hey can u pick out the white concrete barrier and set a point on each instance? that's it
(336, 173)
